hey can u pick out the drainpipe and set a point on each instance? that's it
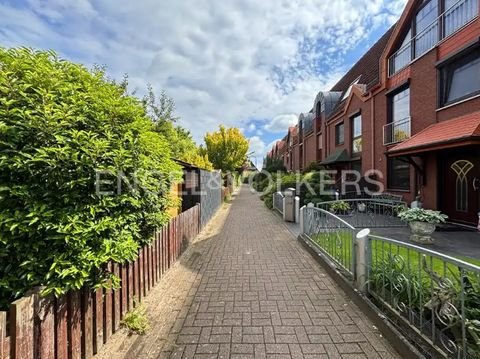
(372, 127)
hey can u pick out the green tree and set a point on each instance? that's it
(226, 148)
(64, 132)
(160, 109)
(273, 165)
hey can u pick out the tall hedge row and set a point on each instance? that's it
(65, 132)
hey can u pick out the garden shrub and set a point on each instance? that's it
(59, 124)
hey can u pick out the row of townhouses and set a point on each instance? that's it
(409, 108)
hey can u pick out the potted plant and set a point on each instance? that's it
(422, 223)
(340, 208)
(362, 207)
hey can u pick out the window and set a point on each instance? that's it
(357, 134)
(349, 90)
(398, 174)
(460, 79)
(400, 105)
(320, 141)
(318, 110)
(399, 117)
(340, 134)
(426, 27)
(435, 20)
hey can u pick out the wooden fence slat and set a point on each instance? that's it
(108, 309)
(161, 250)
(98, 321)
(147, 269)
(116, 300)
(141, 265)
(169, 244)
(87, 324)
(124, 296)
(155, 258)
(75, 325)
(44, 327)
(131, 285)
(164, 249)
(136, 280)
(22, 318)
(152, 266)
(4, 350)
(61, 328)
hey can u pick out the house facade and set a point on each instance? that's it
(409, 109)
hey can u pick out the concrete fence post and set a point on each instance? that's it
(361, 260)
(301, 220)
(297, 209)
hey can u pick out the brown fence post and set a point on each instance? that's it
(116, 300)
(87, 324)
(98, 321)
(141, 260)
(107, 307)
(124, 284)
(131, 285)
(22, 318)
(75, 325)
(61, 328)
(148, 264)
(44, 326)
(4, 341)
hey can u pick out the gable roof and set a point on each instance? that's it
(367, 68)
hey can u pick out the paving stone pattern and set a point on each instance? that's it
(252, 291)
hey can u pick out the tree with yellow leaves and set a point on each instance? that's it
(226, 148)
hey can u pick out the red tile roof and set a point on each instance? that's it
(456, 130)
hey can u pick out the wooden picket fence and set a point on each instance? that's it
(78, 324)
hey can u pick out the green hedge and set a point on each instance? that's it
(59, 125)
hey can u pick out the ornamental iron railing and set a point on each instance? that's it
(367, 212)
(432, 298)
(332, 235)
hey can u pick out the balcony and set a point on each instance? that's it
(452, 20)
(395, 132)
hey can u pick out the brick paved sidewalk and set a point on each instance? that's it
(251, 291)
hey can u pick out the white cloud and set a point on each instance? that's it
(281, 123)
(222, 62)
(258, 150)
(257, 146)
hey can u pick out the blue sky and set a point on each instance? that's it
(245, 63)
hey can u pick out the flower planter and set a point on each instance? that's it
(421, 232)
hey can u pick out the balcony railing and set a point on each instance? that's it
(454, 18)
(398, 131)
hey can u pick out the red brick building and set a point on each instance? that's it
(409, 108)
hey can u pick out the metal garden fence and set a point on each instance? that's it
(334, 237)
(436, 296)
(434, 299)
(369, 213)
